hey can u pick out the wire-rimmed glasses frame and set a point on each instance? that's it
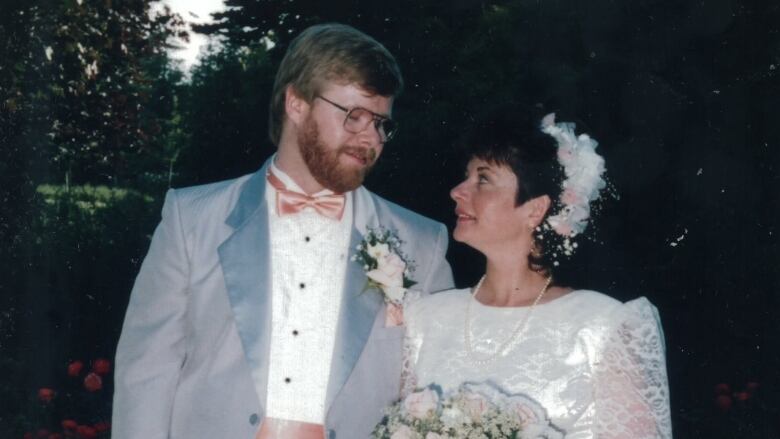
(357, 119)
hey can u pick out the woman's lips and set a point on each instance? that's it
(464, 217)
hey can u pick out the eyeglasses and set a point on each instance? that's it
(358, 118)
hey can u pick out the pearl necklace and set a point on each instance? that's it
(515, 333)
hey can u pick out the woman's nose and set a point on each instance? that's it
(458, 193)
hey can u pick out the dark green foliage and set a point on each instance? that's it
(82, 249)
(82, 100)
(224, 116)
(682, 97)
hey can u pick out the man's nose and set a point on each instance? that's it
(370, 135)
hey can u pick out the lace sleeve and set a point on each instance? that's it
(631, 387)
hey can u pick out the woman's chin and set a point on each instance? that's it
(460, 235)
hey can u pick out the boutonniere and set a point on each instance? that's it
(387, 268)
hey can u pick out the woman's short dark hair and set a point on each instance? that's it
(511, 136)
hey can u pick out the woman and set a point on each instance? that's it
(594, 365)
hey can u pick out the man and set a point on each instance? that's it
(249, 317)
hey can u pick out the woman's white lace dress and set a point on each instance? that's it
(594, 364)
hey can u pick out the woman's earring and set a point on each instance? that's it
(536, 251)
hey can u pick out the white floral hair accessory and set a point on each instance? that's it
(584, 169)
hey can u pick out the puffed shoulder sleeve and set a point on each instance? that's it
(631, 386)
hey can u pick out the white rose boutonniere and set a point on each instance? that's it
(387, 268)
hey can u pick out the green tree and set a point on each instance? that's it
(78, 76)
(86, 96)
(224, 115)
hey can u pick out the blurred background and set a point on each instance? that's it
(105, 104)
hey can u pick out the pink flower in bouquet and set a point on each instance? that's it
(421, 404)
(28, 435)
(403, 432)
(86, 432)
(475, 406)
(100, 427)
(42, 433)
(742, 396)
(93, 382)
(46, 394)
(751, 386)
(524, 412)
(74, 368)
(55, 436)
(101, 366)
(69, 425)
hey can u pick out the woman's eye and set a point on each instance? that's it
(482, 179)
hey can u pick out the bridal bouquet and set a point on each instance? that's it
(472, 411)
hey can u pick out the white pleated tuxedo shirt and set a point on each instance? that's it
(309, 257)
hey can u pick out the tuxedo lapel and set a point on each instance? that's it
(246, 264)
(246, 261)
(359, 308)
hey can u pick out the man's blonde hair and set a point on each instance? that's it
(331, 52)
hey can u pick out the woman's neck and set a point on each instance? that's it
(510, 284)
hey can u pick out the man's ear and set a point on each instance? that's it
(539, 207)
(295, 106)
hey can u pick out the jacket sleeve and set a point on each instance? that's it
(151, 348)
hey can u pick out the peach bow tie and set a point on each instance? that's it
(289, 202)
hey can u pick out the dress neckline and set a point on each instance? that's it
(525, 307)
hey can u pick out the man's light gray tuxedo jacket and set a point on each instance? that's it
(197, 331)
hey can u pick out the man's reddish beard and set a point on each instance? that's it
(324, 165)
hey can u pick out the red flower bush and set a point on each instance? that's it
(101, 366)
(723, 402)
(100, 427)
(69, 425)
(722, 389)
(86, 432)
(93, 382)
(46, 394)
(80, 398)
(74, 368)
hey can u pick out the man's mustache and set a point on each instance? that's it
(365, 154)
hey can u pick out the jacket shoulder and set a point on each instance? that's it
(195, 198)
(386, 208)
